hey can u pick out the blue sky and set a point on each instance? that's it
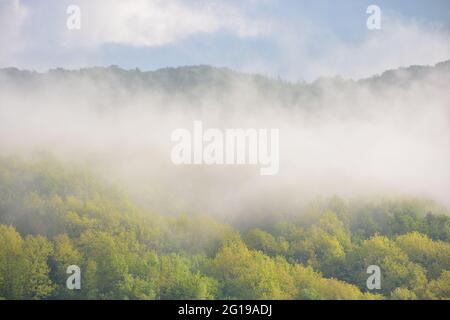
(292, 39)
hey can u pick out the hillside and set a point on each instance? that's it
(86, 179)
(54, 215)
(196, 81)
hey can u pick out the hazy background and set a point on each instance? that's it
(383, 136)
(387, 135)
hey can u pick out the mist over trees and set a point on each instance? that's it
(53, 217)
(351, 138)
(86, 180)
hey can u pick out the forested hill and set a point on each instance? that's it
(385, 133)
(53, 215)
(195, 81)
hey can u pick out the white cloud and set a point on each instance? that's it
(34, 35)
(157, 22)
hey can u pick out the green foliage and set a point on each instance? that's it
(52, 217)
(179, 280)
(403, 294)
(12, 263)
(397, 269)
(24, 270)
(432, 255)
(439, 288)
(36, 251)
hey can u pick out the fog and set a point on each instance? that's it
(384, 136)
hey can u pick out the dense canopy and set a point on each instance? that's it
(54, 215)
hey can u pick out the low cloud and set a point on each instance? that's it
(386, 136)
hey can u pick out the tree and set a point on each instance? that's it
(258, 239)
(178, 281)
(403, 294)
(439, 288)
(434, 256)
(247, 274)
(396, 268)
(37, 282)
(64, 255)
(106, 268)
(12, 264)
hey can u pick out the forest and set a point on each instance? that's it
(224, 150)
(54, 214)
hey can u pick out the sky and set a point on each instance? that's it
(297, 40)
